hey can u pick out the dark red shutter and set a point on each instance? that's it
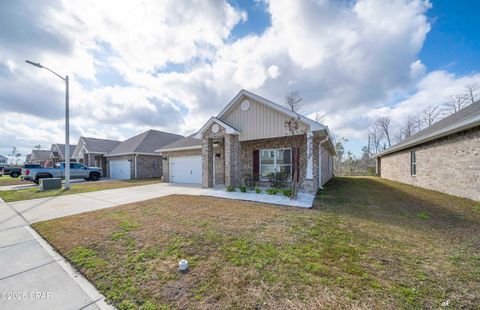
(256, 163)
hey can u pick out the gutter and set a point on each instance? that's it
(179, 148)
(136, 165)
(465, 125)
(320, 161)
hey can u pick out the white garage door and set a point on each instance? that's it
(186, 169)
(120, 169)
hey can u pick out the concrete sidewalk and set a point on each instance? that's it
(32, 274)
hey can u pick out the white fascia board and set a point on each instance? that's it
(229, 129)
(132, 153)
(184, 148)
(314, 126)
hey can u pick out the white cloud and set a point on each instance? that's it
(172, 64)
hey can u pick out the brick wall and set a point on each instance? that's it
(148, 166)
(165, 174)
(450, 165)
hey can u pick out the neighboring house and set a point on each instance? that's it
(58, 152)
(444, 157)
(249, 138)
(92, 151)
(3, 160)
(135, 158)
(27, 158)
(41, 157)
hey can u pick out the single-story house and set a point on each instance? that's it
(58, 152)
(91, 152)
(249, 138)
(135, 158)
(3, 160)
(41, 157)
(444, 157)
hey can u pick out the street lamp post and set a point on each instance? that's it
(67, 122)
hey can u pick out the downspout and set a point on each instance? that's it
(320, 162)
(135, 165)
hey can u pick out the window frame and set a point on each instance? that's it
(413, 163)
(275, 167)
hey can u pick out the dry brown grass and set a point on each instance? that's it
(8, 180)
(363, 246)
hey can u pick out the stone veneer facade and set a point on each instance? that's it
(450, 164)
(236, 158)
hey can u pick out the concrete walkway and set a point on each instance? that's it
(32, 274)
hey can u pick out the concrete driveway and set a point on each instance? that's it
(37, 210)
(32, 274)
(31, 185)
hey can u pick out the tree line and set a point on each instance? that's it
(382, 135)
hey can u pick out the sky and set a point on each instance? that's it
(170, 65)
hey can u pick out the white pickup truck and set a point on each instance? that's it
(77, 171)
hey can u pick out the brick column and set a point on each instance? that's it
(207, 163)
(232, 160)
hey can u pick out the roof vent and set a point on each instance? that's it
(245, 105)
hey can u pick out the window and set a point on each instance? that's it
(413, 163)
(275, 160)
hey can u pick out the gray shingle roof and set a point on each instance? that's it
(3, 157)
(186, 142)
(451, 124)
(146, 142)
(103, 146)
(41, 154)
(62, 148)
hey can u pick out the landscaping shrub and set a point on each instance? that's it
(257, 190)
(271, 191)
(230, 188)
(287, 192)
(278, 179)
(243, 188)
(251, 180)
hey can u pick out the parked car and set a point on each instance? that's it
(77, 171)
(14, 172)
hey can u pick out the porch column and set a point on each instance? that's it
(232, 161)
(309, 175)
(207, 163)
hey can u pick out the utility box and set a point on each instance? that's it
(48, 184)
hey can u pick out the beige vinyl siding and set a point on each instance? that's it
(258, 122)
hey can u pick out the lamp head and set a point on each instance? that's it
(36, 64)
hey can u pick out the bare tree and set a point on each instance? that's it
(472, 92)
(455, 103)
(375, 137)
(399, 135)
(293, 100)
(384, 124)
(409, 128)
(418, 123)
(430, 114)
(319, 117)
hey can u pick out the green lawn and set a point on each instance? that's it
(32, 193)
(8, 180)
(367, 244)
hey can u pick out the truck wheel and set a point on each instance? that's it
(94, 176)
(14, 174)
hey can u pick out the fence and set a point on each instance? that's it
(355, 173)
